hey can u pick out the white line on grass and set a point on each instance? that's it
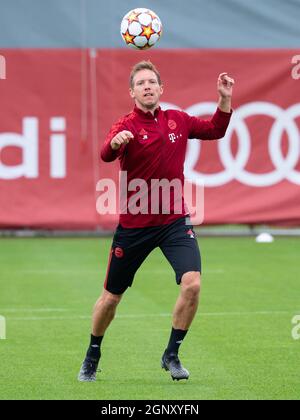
(98, 272)
(56, 271)
(13, 310)
(159, 315)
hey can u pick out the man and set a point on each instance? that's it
(151, 146)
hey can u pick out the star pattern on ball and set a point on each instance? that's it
(128, 38)
(147, 31)
(133, 17)
(141, 28)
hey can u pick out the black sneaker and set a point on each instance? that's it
(88, 370)
(170, 362)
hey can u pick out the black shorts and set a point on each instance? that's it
(131, 247)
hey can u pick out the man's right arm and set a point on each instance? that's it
(115, 143)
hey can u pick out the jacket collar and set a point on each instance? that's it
(147, 115)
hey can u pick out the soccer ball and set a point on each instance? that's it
(141, 28)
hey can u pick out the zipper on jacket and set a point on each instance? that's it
(161, 160)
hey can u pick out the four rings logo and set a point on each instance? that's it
(235, 166)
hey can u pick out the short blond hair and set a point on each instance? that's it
(144, 65)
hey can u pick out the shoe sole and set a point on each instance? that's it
(165, 367)
(86, 380)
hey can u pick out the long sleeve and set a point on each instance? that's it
(107, 153)
(209, 129)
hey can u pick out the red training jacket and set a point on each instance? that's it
(157, 152)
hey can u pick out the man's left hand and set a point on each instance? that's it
(225, 84)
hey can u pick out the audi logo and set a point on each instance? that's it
(235, 166)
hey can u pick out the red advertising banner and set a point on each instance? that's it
(58, 105)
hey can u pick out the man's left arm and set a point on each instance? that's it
(216, 127)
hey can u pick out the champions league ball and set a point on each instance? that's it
(141, 29)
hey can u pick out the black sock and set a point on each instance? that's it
(94, 348)
(176, 339)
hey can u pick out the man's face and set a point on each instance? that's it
(146, 91)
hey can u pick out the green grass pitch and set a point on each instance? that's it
(240, 345)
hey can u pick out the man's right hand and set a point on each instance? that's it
(121, 138)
